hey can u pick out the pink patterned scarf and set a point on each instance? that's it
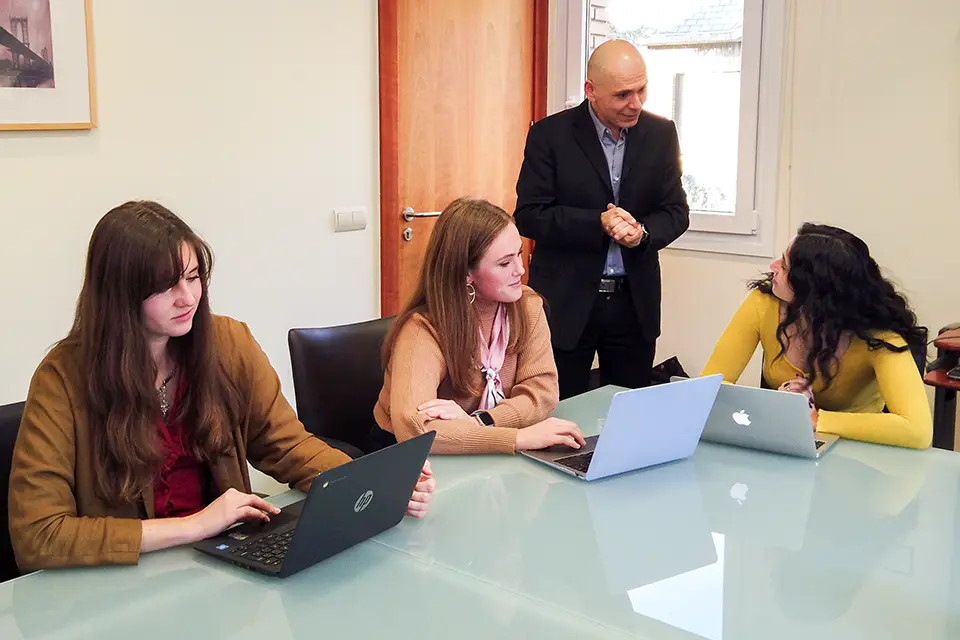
(492, 356)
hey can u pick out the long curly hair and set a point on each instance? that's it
(838, 290)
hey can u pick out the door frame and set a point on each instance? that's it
(389, 90)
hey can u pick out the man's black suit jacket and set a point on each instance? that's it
(564, 186)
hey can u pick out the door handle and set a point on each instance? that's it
(409, 214)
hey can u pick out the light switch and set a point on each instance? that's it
(354, 219)
(359, 218)
(343, 220)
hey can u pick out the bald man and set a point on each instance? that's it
(599, 192)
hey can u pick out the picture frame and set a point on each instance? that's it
(47, 79)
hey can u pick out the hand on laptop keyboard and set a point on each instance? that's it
(549, 432)
(230, 508)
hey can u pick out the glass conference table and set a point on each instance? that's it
(730, 544)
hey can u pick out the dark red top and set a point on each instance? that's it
(180, 486)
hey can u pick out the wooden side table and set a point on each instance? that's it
(945, 396)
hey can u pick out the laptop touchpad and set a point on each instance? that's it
(562, 448)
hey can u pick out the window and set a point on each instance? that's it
(714, 68)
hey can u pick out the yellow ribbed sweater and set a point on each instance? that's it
(866, 380)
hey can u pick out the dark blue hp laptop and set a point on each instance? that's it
(345, 506)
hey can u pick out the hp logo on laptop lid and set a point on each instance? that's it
(363, 501)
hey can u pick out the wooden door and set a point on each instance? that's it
(460, 83)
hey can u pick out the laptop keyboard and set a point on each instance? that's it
(269, 549)
(579, 462)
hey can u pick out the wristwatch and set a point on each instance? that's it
(646, 234)
(483, 417)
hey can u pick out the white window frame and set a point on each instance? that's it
(752, 229)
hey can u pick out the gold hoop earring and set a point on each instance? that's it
(471, 292)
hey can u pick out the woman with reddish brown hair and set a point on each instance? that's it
(138, 425)
(469, 356)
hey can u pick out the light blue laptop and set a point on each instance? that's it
(642, 428)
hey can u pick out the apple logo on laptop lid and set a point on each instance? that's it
(742, 418)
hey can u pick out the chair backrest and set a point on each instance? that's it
(337, 376)
(10, 416)
(920, 354)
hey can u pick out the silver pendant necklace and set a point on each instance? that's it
(162, 392)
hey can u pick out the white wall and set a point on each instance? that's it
(254, 122)
(871, 144)
(250, 120)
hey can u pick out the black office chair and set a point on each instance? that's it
(9, 426)
(337, 376)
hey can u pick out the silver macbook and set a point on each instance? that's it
(642, 428)
(765, 419)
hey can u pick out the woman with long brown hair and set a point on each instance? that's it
(469, 356)
(138, 425)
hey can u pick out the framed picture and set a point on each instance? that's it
(46, 65)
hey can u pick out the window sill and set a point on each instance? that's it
(728, 243)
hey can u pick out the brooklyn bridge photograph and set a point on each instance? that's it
(26, 44)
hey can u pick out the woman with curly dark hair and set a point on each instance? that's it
(833, 328)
